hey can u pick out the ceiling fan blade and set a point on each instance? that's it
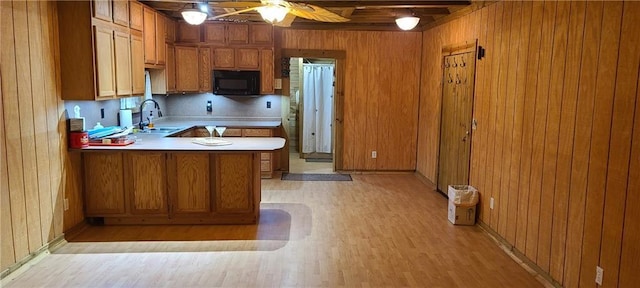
(313, 12)
(286, 22)
(232, 13)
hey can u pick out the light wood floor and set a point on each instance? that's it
(299, 165)
(379, 230)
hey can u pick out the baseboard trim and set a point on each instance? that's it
(542, 276)
(25, 263)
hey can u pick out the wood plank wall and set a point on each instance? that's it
(558, 139)
(32, 130)
(381, 93)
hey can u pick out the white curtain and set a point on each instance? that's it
(317, 108)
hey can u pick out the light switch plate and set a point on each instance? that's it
(277, 83)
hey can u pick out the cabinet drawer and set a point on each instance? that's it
(256, 132)
(265, 166)
(232, 132)
(265, 156)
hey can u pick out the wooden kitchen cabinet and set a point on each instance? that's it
(161, 52)
(261, 34)
(149, 18)
(136, 21)
(248, 58)
(266, 163)
(94, 54)
(190, 183)
(234, 189)
(224, 58)
(123, 59)
(137, 64)
(170, 30)
(204, 69)
(187, 33)
(170, 68)
(104, 184)
(146, 183)
(226, 34)
(266, 71)
(121, 12)
(186, 69)
(105, 62)
(102, 10)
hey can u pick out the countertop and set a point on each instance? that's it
(158, 142)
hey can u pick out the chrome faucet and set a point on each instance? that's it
(157, 106)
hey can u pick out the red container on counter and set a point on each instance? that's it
(79, 139)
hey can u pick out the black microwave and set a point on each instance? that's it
(228, 82)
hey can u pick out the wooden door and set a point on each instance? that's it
(262, 34)
(204, 69)
(149, 20)
(135, 17)
(137, 64)
(170, 30)
(190, 183)
(161, 55)
(186, 68)
(235, 188)
(103, 184)
(238, 34)
(105, 62)
(102, 9)
(224, 58)
(214, 33)
(266, 71)
(147, 190)
(121, 13)
(248, 58)
(187, 33)
(170, 69)
(123, 64)
(456, 118)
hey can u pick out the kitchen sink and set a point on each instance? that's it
(162, 130)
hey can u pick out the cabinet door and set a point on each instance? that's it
(266, 71)
(135, 20)
(121, 12)
(147, 183)
(188, 33)
(170, 30)
(161, 54)
(262, 34)
(214, 33)
(189, 179)
(170, 70)
(235, 186)
(105, 62)
(186, 69)
(224, 58)
(149, 17)
(103, 184)
(123, 64)
(102, 10)
(247, 58)
(204, 69)
(237, 34)
(137, 64)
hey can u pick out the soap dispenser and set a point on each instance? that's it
(98, 126)
(150, 118)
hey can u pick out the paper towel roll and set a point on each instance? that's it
(125, 118)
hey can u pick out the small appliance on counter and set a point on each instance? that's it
(111, 136)
(78, 137)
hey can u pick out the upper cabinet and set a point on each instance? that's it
(96, 58)
(262, 34)
(187, 33)
(135, 18)
(234, 34)
(154, 30)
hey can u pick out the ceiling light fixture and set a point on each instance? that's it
(193, 15)
(273, 13)
(407, 23)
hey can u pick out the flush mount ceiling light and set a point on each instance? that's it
(273, 13)
(407, 23)
(193, 15)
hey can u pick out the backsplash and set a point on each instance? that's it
(180, 105)
(223, 106)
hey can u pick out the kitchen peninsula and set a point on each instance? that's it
(172, 180)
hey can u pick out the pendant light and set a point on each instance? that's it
(407, 23)
(193, 15)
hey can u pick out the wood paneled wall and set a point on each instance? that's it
(31, 132)
(382, 81)
(558, 138)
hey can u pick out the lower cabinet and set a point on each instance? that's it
(172, 188)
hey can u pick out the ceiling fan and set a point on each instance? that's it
(277, 12)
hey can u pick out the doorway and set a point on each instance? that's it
(458, 79)
(312, 93)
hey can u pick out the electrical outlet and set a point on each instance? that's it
(209, 106)
(101, 113)
(599, 275)
(374, 154)
(66, 204)
(268, 104)
(491, 203)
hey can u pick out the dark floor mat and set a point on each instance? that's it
(326, 160)
(316, 177)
